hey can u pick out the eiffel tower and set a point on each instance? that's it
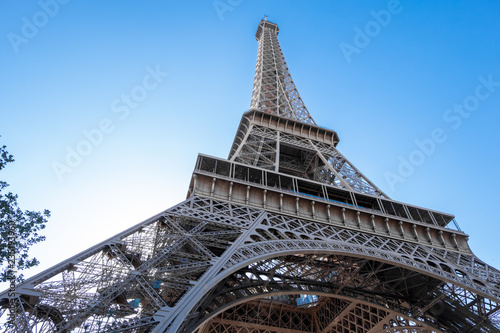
(286, 235)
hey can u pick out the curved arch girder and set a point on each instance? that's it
(355, 280)
(400, 290)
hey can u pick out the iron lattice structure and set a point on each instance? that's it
(285, 235)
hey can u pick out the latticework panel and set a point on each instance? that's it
(281, 234)
(419, 257)
(370, 296)
(204, 256)
(271, 314)
(259, 149)
(274, 90)
(298, 156)
(331, 315)
(376, 297)
(347, 171)
(120, 284)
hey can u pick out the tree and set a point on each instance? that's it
(19, 230)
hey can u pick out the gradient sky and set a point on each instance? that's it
(410, 66)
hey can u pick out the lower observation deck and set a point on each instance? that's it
(307, 199)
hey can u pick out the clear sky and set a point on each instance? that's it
(106, 104)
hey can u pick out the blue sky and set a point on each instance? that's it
(138, 89)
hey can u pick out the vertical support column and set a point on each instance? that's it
(171, 319)
(213, 187)
(230, 196)
(195, 180)
(414, 227)
(248, 195)
(277, 158)
(427, 230)
(358, 213)
(454, 237)
(442, 238)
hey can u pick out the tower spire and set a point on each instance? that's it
(273, 88)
